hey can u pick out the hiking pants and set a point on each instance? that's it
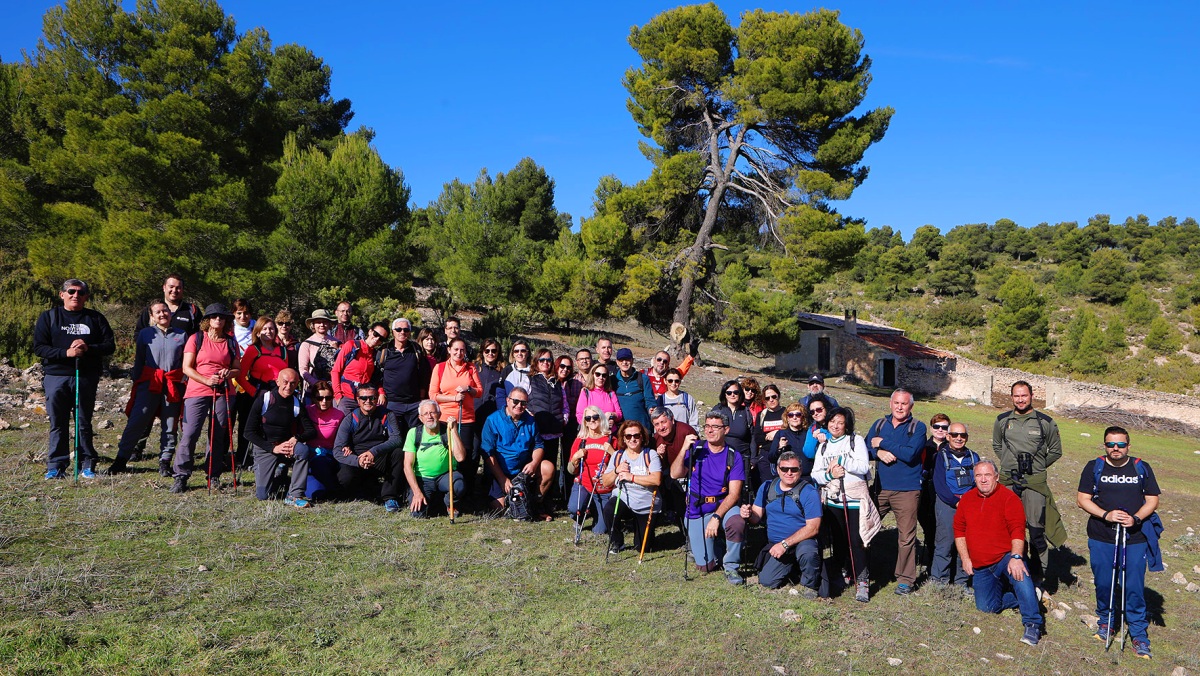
(725, 548)
(803, 560)
(1101, 554)
(432, 488)
(997, 591)
(904, 505)
(60, 406)
(944, 550)
(267, 463)
(600, 507)
(197, 413)
(146, 407)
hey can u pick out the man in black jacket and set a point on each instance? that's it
(276, 428)
(368, 443)
(71, 340)
(403, 374)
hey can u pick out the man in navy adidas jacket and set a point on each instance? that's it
(897, 442)
(66, 338)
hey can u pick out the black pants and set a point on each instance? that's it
(845, 552)
(621, 514)
(927, 518)
(356, 482)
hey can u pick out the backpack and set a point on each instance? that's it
(773, 494)
(229, 345)
(322, 361)
(267, 404)
(958, 475)
(421, 434)
(1098, 469)
(878, 425)
(522, 502)
(354, 419)
(1041, 418)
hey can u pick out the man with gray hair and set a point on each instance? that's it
(897, 443)
(72, 341)
(715, 474)
(427, 465)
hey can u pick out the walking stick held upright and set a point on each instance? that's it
(687, 505)
(1112, 587)
(1124, 534)
(612, 528)
(230, 449)
(849, 543)
(582, 513)
(78, 455)
(212, 428)
(450, 450)
(649, 520)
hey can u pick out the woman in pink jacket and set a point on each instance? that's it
(597, 391)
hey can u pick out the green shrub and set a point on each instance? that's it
(21, 301)
(957, 314)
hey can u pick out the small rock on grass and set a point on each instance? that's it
(1064, 606)
(1178, 578)
(202, 569)
(843, 653)
(1004, 656)
(1192, 587)
(789, 615)
(976, 629)
(1089, 620)
(1196, 569)
(779, 670)
(1179, 671)
(4, 424)
(985, 660)
(1058, 614)
(895, 661)
(506, 541)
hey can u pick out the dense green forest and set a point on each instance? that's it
(162, 139)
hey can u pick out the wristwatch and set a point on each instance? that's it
(1016, 557)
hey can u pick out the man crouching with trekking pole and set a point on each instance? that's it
(1120, 494)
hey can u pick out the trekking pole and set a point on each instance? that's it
(687, 505)
(212, 424)
(849, 540)
(581, 515)
(232, 454)
(649, 520)
(1124, 533)
(612, 527)
(1112, 587)
(450, 452)
(78, 455)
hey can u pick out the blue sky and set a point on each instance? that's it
(1029, 111)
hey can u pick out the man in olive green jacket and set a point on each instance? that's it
(1027, 443)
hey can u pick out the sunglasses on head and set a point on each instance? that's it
(1116, 444)
(941, 426)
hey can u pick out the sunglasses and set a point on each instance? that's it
(816, 410)
(662, 361)
(591, 418)
(673, 381)
(601, 374)
(957, 435)
(545, 360)
(521, 351)
(75, 292)
(941, 426)
(564, 366)
(380, 336)
(795, 414)
(370, 399)
(635, 435)
(771, 397)
(328, 397)
(519, 402)
(789, 470)
(1116, 444)
(490, 350)
(732, 393)
(405, 329)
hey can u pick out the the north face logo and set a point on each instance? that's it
(1114, 479)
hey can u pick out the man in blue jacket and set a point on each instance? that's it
(635, 395)
(897, 442)
(72, 341)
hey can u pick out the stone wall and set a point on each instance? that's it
(859, 358)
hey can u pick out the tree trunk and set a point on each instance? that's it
(691, 272)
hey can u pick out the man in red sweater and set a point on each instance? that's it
(989, 531)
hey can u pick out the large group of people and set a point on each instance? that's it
(441, 426)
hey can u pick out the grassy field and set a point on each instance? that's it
(120, 576)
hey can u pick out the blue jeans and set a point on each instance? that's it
(944, 551)
(1135, 585)
(726, 547)
(996, 591)
(601, 507)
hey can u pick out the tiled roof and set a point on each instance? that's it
(839, 322)
(904, 347)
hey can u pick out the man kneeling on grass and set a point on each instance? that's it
(276, 428)
(989, 531)
(427, 464)
(512, 445)
(791, 506)
(367, 446)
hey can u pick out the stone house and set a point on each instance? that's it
(870, 353)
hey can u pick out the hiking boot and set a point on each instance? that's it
(118, 467)
(1101, 632)
(391, 506)
(732, 577)
(180, 485)
(1032, 634)
(903, 589)
(808, 593)
(87, 473)
(55, 474)
(1142, 648)
(968, 592)
(298, 503)
(164, 468)
(863, 594)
